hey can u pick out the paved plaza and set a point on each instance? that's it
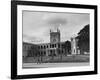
(47, 65)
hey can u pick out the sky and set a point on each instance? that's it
(37, 25)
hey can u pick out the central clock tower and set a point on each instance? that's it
(55, 36)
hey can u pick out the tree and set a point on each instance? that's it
(67, 47)
(83, 39)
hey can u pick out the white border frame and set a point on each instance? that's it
(21, 71)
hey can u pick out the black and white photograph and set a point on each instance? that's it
(54, 39)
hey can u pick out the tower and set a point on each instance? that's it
(74, 45)
(55, 36)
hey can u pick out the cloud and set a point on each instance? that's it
(56, 21)
(37, 25)
(34, 39)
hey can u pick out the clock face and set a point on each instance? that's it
(54, 40)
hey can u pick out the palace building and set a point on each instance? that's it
(54, 48)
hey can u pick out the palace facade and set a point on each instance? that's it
(54, 48)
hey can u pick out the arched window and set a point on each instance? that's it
(31, 47)
(58, 45)
(47, 46)
(38, 47)
(41, 47)
(55, 45)
(62, 51)
(44, 53)
(50, 46)
(44, 46)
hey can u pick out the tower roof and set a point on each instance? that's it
(54, 31)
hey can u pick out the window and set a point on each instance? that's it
(52, 45)
(62, 51)
(58, 45)
(55, 45)
(41, 47)
(44, 47)
(47, 46)
(31, 47)
(38, 47)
